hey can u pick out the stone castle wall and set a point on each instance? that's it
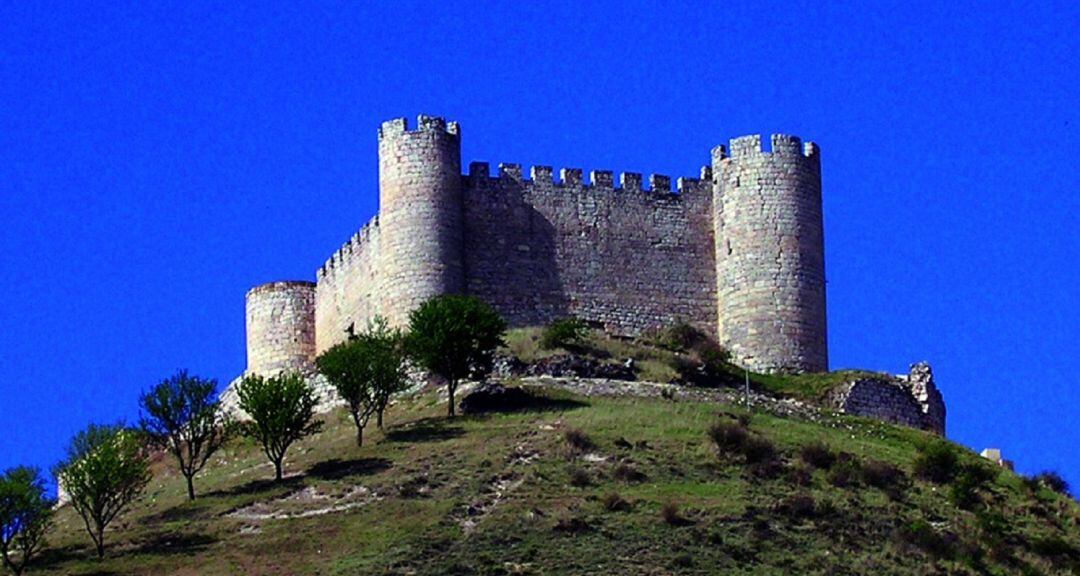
(738, 252)
(347, 294)
(617, 255)
(280, 327)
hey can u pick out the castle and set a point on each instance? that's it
(737, 251)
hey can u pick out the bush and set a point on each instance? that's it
(579, 477)
(671, 515)
(845, 472)
(758, 450)
(680, 337)
(728, 436)
(964, 492)
(882, 475)
(567, 333)
(923, 536)
(817, 455)
(614, 503)
(937, 462)
(1051, 480)
(626, 472)
(798, 506)
(578, 441)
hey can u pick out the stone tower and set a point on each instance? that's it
(280, 327)
(420, 214)
(770, 254)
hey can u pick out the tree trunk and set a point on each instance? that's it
(359, 435)
(378, 419)
(450, 409)
(277, 470)
(99, 542)
(190, 487)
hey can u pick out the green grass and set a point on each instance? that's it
(542, 525)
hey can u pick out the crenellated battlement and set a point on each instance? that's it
(479, 177)
(780, 144)
(353, 245)
(434, 124)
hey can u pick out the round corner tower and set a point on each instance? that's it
(420, 214)
(280, 327)
(770, 254)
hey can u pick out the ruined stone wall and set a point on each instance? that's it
(419, 214)
(770, 254)
(347, 293)
(911, 400)
(881, 399)
(280, 327)
(623, 257)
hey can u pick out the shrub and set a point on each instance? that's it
(798, 506)
(1051, 480)
(578, 441)
(817, 455)
(680, 337)
(847, 471)
(671, 515)
(964, 492)
(923, 536)
(626, 472)
(579, 477)
(800, 475)
(567, 333)
(937, 462)
(728, 436)
(882, 474)
(758, 450)
(614, 503)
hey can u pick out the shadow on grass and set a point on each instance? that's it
(336, 469)
(426, 430)
(53, 556)
(290, 483)
(163, 543)
(506, 399)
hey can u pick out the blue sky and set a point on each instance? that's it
(155, 163)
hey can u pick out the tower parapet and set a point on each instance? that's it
(770, 254)
(280, 327)
(420, 214)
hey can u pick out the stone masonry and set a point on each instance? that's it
(280, 327)
(737, 250)
(912, 400)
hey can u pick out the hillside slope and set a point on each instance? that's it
(583, 485)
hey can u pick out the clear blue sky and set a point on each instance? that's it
(155, 163)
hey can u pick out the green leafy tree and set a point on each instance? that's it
(183, 416)
(282, 411)
(366, 370)
(455, 337)
(106, 468)
(25, 515)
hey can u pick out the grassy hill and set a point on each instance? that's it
(589, 485)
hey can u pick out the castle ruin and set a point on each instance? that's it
(737, 251)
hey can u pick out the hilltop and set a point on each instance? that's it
(594, 476)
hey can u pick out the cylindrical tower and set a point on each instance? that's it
(420, 214)
(770, 254)
(280, 327)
